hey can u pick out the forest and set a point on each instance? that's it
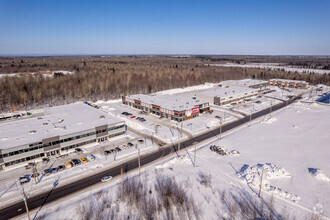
(110, 77)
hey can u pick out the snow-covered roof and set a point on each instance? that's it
(245, 82)
(169, 102)
(289, 80)
(59, 120)
(224, 92)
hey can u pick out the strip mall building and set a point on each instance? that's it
(297, 84)
(170, 106)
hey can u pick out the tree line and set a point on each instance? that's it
(111, 77)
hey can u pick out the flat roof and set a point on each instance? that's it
(224, 92)
(169, 102)
(57, 121)
(245, 82)
(289, 80)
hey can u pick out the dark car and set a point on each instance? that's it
(107, 152)
(141, 141)
(61, 167)
(118, 149)
(124, 113)
(45, 160)
(47, 172)
(76, 162)
(130, 144)
(113, 151)
(78, 150)
(161, 117)
(54, 170)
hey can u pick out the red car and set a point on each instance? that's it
(133, 116)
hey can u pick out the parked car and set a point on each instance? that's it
(68, 165)
(35, 175)
(61, 167)
(45, 160)
(133, 116)
(54, 170)
(161, 117)
(217, 116)
(90, 157)
(141, 141)
(124, 113)
(258, 102)
(106, 178)
(76, 162)
(47, 172)
(83, 160)
(79, 151)
(113, 151)
(107, 152)
(23, 179)
(130, 144)
(138, 118)
(118, 149)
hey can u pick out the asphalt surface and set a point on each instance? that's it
(38, 201)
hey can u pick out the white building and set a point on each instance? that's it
(58, 131)
(174, 107)
(248, 83)
(222, 96)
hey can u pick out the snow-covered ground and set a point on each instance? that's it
(290, 151)
(45, 74)
(274, 66)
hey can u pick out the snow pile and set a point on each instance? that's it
(280, 192)
(318, 174)
(182, 160)
(268, 120)
(252, 174)
(223, 151)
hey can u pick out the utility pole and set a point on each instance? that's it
(250, 118)
(262, 173)
(271, 105)
(179, 147)
(35, 173)
(181, 130)
(220, 126)
(25, 202)
(139, 162)
(195, 155)
(152, 138)
(145, 141)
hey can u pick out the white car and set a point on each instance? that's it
(106, 178)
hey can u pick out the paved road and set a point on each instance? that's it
(38, 201)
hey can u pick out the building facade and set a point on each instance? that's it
(223, 96)
(169, 106)
(297, 84)
(79, 125)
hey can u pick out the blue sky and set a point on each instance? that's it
(46, 27)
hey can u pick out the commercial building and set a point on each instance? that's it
(174, 107)
(248, 83)
(223, 96)
(60, 130)
(297, 84)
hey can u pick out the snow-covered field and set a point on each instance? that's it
(274, 66)
(290, 151)
(45, 74)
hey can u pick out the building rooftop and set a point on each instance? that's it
(169, 102)
(224, 92)
(289, 80)
(59, 120)
(245, 82)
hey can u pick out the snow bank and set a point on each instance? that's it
(182, 160)
(268, 121)
(318, 174)
(253, 173)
